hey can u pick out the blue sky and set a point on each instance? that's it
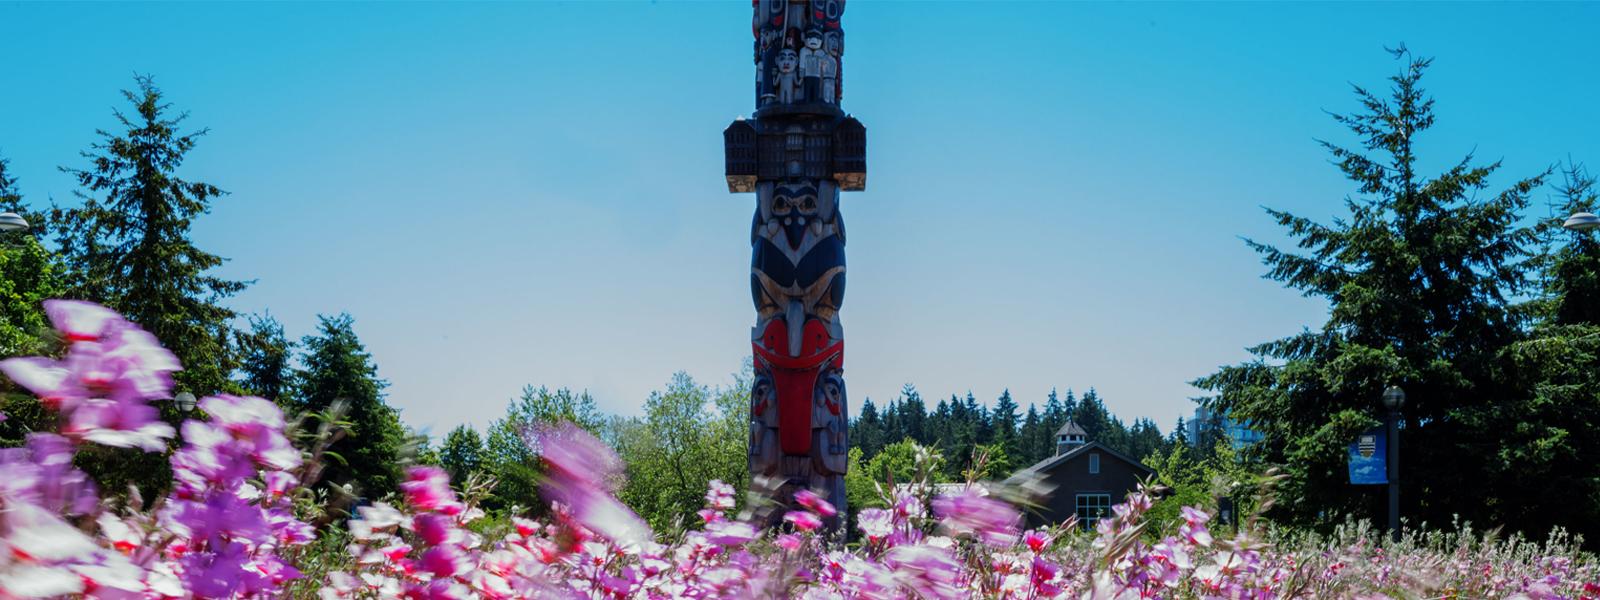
(505, 194)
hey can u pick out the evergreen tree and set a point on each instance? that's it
(1032, 443)
(1179, 435)
(981, 429)
(127, 245)
(1548, 443)
(264, 353)
(1004, 422)
(1570, 261)
(913, 414)
(1091, 415)
(867, 430)
(1417, 278)
(337, 368)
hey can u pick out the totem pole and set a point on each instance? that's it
(796, 154)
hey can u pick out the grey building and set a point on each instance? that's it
(1207, 425)
(1084, 478)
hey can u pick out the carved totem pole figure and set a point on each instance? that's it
(796, 154)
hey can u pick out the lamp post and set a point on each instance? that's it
(10, 221)
(1581, 221)
(184, 401)
(1394, 399)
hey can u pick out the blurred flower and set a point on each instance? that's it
(971, 512)
(802, 520)
(815, 503)
(579, 469)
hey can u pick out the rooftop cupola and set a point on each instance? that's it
(1069, 437)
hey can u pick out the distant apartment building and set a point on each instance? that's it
(1206, 423)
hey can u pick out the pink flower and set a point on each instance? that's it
(436, 529)
(428, 488)
(720, 495)
(971, 512)
(103, 385)
(80, 321)
(931, 571)
(788, 541)
(1194, 529)
(580, 468)
(256, 425)
(815, 503)
(875, 523)
(731, 533)
(42, 474)
(802, 520)
(1036, 540)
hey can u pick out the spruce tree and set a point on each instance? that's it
(913, 414)
(337, 368)
(264, 354)
(867, 431)
(1417, 277)
(1003, 420)
(127, 245)
(1030, 435)
(1548, 443)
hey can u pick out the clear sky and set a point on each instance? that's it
(505, 194)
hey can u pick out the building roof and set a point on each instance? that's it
(1050, 464)
(1070, 428)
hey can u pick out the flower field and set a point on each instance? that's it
(238, 522)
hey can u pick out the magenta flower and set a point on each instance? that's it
(720, 495)
(1194, 529)
(932, 572)
(103, 386)
(256, 425)
(875, 523)
(42, 474)
(80, 321)
(971, 512)
(802, 520)
(428, 488)
(730, 533)
(815, 503)
(579, 469)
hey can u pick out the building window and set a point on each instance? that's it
(1094, 463)
(1093, 507)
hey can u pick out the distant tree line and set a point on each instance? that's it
(958, 427)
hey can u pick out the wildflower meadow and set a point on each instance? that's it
(239, 521)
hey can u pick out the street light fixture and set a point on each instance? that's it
(10, 221)
(184, 401)
(1581, 221)
(1394, 399)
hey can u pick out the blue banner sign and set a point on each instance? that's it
(1367, 458)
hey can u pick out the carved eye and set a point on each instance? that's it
(809, 204)
(780, 205)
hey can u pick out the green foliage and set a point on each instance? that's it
(506, 454)
(127, 245)
(689, 435)
(28, 277)
(337, 368)
(462, 453)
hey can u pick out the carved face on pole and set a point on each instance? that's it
(788, 59)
